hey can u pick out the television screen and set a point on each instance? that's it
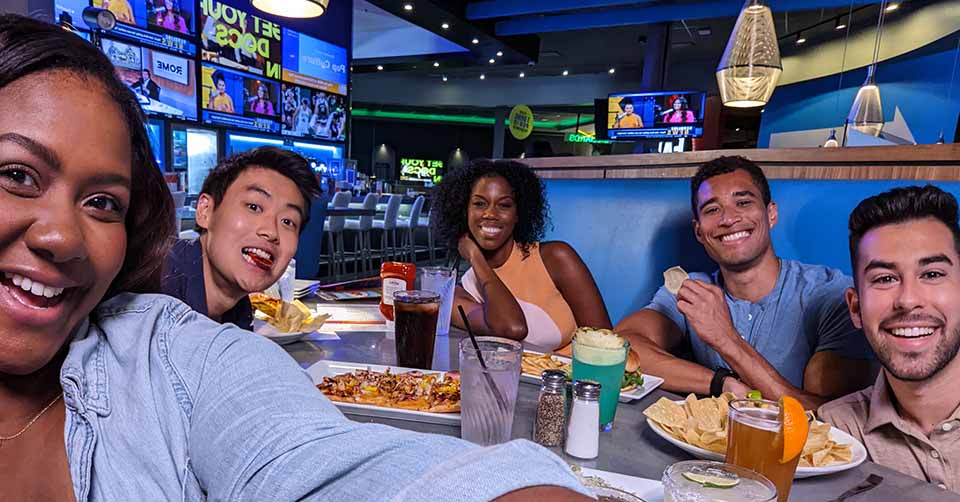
(163, 24)
(234, 99)
(655, 115)
(314, 63)
(165, 84)
(310, 113)
(237, 39)
(71, 11)
(425, 170)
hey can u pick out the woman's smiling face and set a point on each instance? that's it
(64, 191)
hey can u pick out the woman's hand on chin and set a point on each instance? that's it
(469, 249)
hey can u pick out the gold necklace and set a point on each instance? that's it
(32, 421)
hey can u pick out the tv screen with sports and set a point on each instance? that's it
(310, 113)
(655, 115)
(233, 99)
(238, 39)
(165, 84)
(163, 24)
(314, 63)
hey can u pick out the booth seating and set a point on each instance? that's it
(628, 231)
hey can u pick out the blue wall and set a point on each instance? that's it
(629, 231)
(917, 83)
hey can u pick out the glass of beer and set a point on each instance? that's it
(754, 442)
(416, 327)
(600, 356)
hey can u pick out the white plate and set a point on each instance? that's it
(650, 382)
(650, 490)
(263, 328)
(331, 368)
(859, 452)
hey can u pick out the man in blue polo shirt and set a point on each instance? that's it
(760, 322)
(250, 213)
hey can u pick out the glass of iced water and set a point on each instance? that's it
(442, 281)
(488, 397)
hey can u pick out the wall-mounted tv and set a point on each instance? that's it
(655, 115)
(425, 170)
(233, 99)
(163, 24)
(165, 84)
(314, 63)
(309, 113)
(238, 39)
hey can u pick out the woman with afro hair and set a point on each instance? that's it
(494, 213)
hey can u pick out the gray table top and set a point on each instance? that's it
(632, 448)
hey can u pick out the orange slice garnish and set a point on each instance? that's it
(793, 428)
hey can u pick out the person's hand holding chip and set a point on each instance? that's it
(705, 308)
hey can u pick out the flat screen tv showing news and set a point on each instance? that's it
(655, 115)
(311, 113)
(165, 84)
(233, 99)
(239, 39)
(163, 24)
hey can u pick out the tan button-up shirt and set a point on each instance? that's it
(891, 441)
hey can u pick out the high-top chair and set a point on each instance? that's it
(333, 227)
(427, 222)
(408, 227)
(364, 253)
(388, 228)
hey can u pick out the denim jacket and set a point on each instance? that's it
(164, 404)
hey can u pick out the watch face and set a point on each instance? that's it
(106, 20)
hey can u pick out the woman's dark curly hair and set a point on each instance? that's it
(452, 196)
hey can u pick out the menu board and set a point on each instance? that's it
(310, 113)
(314, 63)
(233, 99)
(163, 24)
(165, 84)
(238, 39)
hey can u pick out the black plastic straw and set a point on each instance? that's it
(473, 338)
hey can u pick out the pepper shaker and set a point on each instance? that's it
(551, 409)
(583, 431)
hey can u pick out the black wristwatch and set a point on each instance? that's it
(716, 383)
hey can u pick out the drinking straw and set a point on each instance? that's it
(476, 346)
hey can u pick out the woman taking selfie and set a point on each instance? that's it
(108, 393)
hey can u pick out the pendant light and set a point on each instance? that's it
(750, 67)
(293, 8)
(866, 114)
(832, 140)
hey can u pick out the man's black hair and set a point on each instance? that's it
(725, 165)
(900, 205)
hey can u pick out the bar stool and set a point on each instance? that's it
(333, 227)
(388, 228)
(364, 253)
(427, 222)
(409, 227)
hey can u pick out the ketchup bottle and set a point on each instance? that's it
(396, 276)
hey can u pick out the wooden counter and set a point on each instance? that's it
(916, 162)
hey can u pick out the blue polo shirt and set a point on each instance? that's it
(804, 314)
(183, 279)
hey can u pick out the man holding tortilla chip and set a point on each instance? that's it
(906, 300)
(760, 322)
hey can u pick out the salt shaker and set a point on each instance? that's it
(583, 431)
(551, 408)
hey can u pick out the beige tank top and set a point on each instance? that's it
(550, 321)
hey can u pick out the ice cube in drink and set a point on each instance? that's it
(483, 421)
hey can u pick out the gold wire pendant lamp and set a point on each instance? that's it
(750, 67)
(293, 8)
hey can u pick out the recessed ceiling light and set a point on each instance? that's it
(565, 73)
(841, 24)
(892, 7)
(737, 129)
(408, 6)
(492, 60)
(482, 76)
(499, 53)
(444, 78)
(612, 71)
(801, 40)
(522, 74)
(379, 67)
(445, 26)
(436, 64)
(475, 41)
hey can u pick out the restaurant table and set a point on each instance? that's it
(632, 448)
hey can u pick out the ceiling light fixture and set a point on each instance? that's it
(750, 67)
(892, 7)
(492, 60)
(293, 8)
(436, 64)
(866, 114)
(445, 26)
(444, 78)
(475, 41)
(612, 71)
(499, 53)
(379, 67)
(801, 39)
(408, 7)
(565, 73)
(522, 74)
(841, 24)
(482, 76)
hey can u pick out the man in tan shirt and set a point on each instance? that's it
(904, 250)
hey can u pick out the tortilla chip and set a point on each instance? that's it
(673, 278)
(667, 413)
